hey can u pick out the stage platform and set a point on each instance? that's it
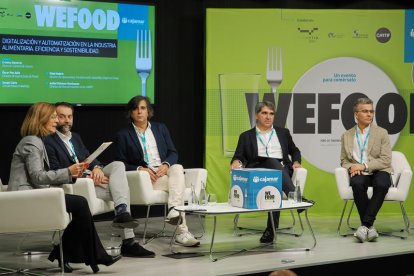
(333, 255)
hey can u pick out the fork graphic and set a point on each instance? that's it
(143, 60)
(274, 68)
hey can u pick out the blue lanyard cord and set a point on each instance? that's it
(144, 144)
(261, 141)
(361, 149)
(72, 150)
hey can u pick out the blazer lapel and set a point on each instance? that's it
(350, 142)
(134, 138)
(371, 139)
(253, 142)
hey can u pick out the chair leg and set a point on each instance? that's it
(406, 229)
(160, 233)
(19, 252)
(342, 217)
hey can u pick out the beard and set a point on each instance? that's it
(64, 128)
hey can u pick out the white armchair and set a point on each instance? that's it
(398, 192)
(142, 192)
(33, 211)
(300, 175)
(85, 187)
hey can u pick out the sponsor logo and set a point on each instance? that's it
(132, 21)
(236, 195)
(239, 178)
(383, 35)
(335, 35)
(309, 34)
(358, 34)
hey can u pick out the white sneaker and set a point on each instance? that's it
(173, 217)
(372, 234)
(361, 233)
(186, 239)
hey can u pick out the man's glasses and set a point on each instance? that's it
(366, 111)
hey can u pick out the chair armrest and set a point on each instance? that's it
(68, 189)
(86, 188)
(195, 176)
(33, 211)
(140, 187)
(342, 181)
(404, 182)
(300, 174)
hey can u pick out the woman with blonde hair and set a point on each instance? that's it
(30, 170)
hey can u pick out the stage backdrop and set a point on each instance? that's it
(313, 64)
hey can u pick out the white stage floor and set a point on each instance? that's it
(330, 249)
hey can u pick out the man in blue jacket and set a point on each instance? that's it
(147, 146)
(65, 148)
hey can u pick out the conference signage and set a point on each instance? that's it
(76, 51)
(312, 64)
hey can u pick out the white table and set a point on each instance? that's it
(226, 209)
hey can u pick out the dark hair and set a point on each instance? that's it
(134, 103)
(66, 104)
(362, 101)
(259, 106)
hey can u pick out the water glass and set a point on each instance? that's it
(291, 197)
(212, 199)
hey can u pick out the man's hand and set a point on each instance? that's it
(296, 164)
(151, 172)
(162, 170)
(356, 169)
(236, 164)
(98, 177)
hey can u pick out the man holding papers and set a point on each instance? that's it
(65, 148)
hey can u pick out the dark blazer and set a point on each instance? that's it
(247, 150)
(129, 150)
(59, 156)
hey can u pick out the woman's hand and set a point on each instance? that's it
(76, 170)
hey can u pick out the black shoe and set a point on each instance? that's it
(66, 267)
(95, 268)
(304, 199)
(267, 236)
(136, 250)
(124, 220)
(109, 260)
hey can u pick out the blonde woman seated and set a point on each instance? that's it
(30, 170)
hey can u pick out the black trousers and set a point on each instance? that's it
(287, 185)
(368, 208)
(81, 243)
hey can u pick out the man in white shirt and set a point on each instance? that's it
(366, 153)
(147, 146)
(266, 146)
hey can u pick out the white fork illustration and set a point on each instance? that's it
(274, 68)
(143, 60)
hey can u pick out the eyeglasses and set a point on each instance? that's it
(366, 111)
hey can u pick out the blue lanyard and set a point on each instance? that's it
(261, 141)
(144, 145)
(361, 149)
(72, 150)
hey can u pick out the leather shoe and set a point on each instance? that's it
(124, 220)
(267, 236)
(109, 260)
(66, 267)
(136, 250)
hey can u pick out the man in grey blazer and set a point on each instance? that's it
(366, 154)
